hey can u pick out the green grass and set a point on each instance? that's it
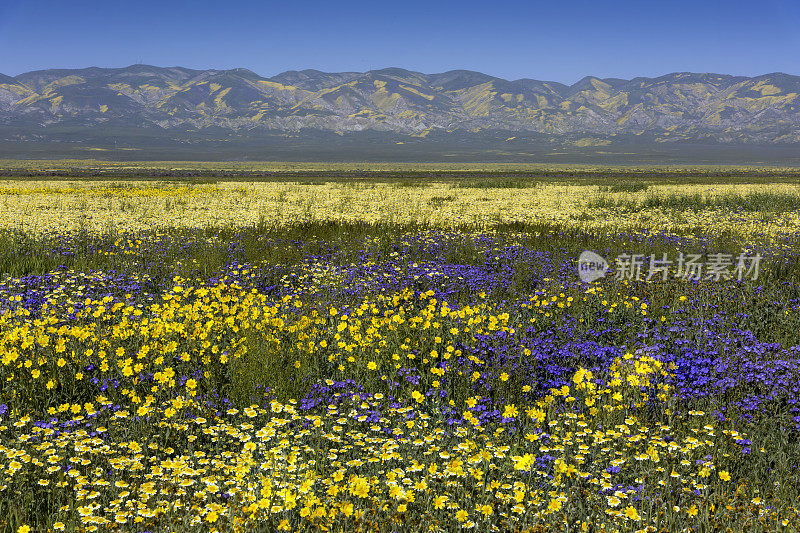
(765, 201)
(627, 178)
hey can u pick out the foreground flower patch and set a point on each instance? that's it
(446, 381)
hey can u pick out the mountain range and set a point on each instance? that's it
(182, 104)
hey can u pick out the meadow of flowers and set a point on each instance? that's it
(288, 357)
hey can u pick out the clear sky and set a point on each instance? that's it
(552, 40)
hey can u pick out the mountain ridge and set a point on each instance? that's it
(672, 108)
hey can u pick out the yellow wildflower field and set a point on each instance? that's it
(40, 207)
(279, 356)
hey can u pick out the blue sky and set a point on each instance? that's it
(559, 41)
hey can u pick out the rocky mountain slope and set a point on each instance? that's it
(676, 107)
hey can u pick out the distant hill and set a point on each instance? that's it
(143, 104)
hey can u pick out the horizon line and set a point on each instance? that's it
(589, 76)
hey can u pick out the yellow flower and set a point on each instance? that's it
(372, 365)
(553, 506)
(23, 529)
(510, 411)
(632, 513)
(725, 476)
(359, 486)
(524, 462)
(536, 414)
